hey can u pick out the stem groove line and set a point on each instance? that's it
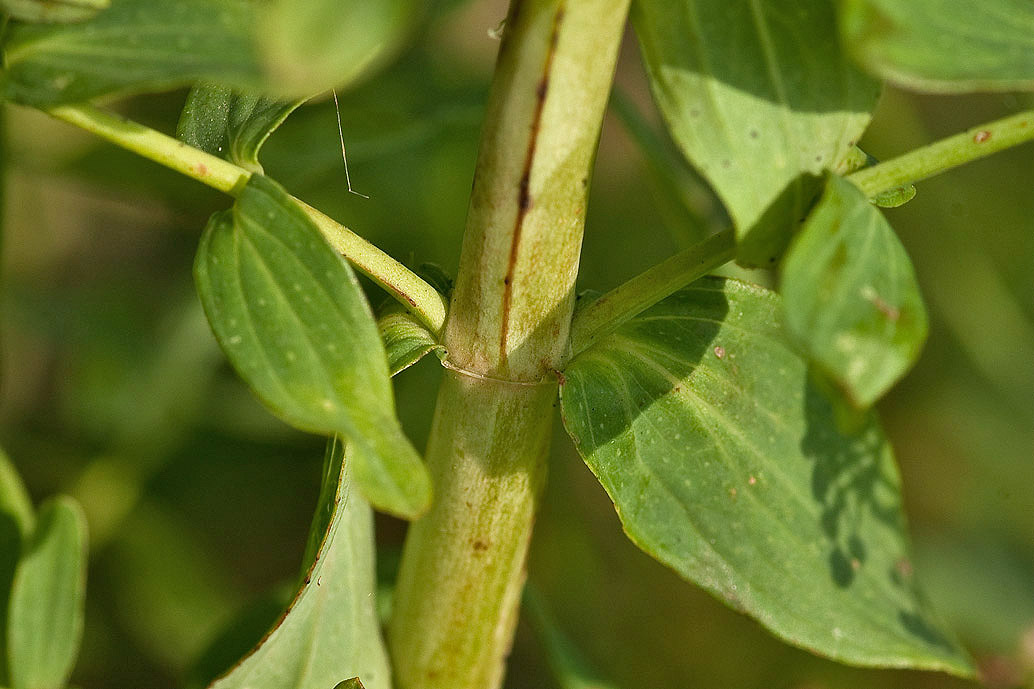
(524, 200)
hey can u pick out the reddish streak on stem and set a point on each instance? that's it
(524, 200)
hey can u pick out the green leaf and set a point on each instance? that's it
(851, 296)
(331, 629)
(134, 46)
(406, 339)
(725, 463)
(760, 98)
(53, 11)
(16, 524)
(943, 46)
(291, 317)
(310, 47)
(45, 619)
(231, 124)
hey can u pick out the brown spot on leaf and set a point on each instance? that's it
(981, 136)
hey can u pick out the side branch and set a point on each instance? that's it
(646, 289)
(403, 284)
(973, 144)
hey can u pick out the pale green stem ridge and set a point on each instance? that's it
(403, 284)
(973, 144)
(644, 290)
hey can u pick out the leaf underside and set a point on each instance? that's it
(406, 339)
(231, 124)
(726, 464)
(330, 630)
(761, 100)
(291, 317)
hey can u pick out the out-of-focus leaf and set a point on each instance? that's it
(330, 630)
(134, 46)
(231, 124)
(45, 617)
(943, 46)
(725, 463)
(851, 296)
(761, 99)
(569, 668)
(311, 47)
(162, 571)
(983, 583)
(15, 506)
(290, 315)
(243, 633)
(53, 11)
(406, 339)
(16, 524)
(683, 199)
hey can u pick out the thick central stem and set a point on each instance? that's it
(508, 329)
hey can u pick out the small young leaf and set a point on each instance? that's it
(331, 629)
(896, 197)
(231, 124)
(725, 463)
(311, 47)
(943, 46)
(45, 618)
(353, 683)
(851, 296)
(758, 109)
(133, 46)
(406, 339)
(252, 120)
(205, 118)
(291, 317)
(858, 159)
(53, 11)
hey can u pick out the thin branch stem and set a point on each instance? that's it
(646, 289)
(973, 144)
(403, 284)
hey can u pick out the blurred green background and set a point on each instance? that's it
(199, 500)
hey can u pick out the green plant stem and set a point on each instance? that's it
(973, 144)
(462, 567)
(403, 284)
(630, 298)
